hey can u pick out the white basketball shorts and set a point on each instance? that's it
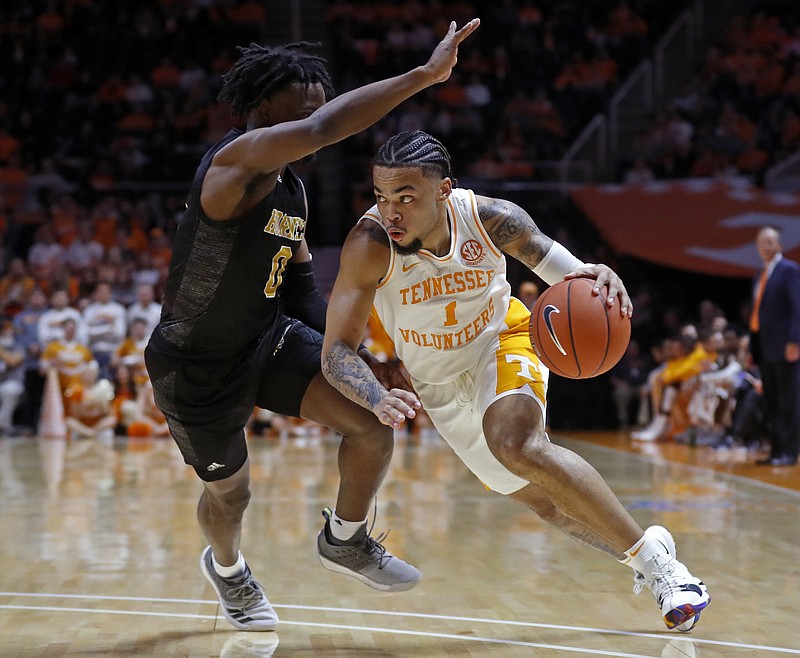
(509, 367)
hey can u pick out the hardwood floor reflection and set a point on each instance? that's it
(101, 548)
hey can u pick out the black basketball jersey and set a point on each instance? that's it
(224, 276)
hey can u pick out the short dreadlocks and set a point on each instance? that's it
(263, 70)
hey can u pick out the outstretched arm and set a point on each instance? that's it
(364, 260)
(515, 233)
(345, 115)
(263, 151)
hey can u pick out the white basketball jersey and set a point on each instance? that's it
(444, 312)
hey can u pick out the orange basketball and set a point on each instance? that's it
(574, 333)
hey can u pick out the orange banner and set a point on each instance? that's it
(698, 225)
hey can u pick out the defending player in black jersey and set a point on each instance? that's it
(242, 314)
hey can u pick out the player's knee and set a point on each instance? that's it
(238, 500)
(232, 500)
(522, 452)
(237, 504)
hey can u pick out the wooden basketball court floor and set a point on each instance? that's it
(100, 551)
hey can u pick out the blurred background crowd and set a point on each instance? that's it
(106, 109)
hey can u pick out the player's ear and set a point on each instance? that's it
(445, 188)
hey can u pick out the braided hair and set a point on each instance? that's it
(263, 70)
(415, 149)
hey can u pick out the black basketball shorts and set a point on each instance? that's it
(207, 403)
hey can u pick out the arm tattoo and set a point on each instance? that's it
(514, 231)
(352, 377)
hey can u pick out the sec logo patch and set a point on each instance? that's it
(472, 252)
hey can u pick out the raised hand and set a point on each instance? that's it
(445, 56)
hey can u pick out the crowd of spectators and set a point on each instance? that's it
(106, 108)
(527, 82)
(697, 384)
(102, 97)
(92, 345)
(100, 93)
(740, 114)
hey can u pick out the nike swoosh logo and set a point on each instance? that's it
(636, 552)
(547, 312)
(692, 588)
(406, 268)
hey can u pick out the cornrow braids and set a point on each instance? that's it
(415, 149)
(263, 70)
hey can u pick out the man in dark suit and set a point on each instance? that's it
(775, 327)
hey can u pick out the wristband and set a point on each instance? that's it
(556, 264)
(300, 297)
(299, 279)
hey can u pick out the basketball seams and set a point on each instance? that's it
(608, 338)
(572, 333)
(591, 353)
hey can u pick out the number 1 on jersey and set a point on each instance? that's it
(450, 314)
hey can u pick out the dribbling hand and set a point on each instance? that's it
(605, 276)
(396, 407)
(445, 56)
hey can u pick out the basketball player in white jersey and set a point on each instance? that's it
(430, 257)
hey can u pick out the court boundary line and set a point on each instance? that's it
(740, 479)
(371, 629)
(390, 613)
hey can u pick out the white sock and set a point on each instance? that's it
(229, 572)
(641, 552)
(344, 530)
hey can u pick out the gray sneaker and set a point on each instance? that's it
(242, 599)
(365, 558)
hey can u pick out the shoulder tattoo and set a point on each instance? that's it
(506, 222)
